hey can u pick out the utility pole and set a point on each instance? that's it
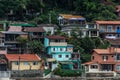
(19, 63)
(49, 18)
(41, 10)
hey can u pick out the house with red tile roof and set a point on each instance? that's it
(104, 60)
(109, 30)
(24, 62)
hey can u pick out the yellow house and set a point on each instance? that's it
(24, 61)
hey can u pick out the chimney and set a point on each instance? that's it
(111, 49)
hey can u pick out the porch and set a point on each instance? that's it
(107, 67)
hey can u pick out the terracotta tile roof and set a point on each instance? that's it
(107, 51)
(22, 57)
(99, 62)
(56, 37)
(15, 28)
(34, 29)
(88, 63)
(108, 22)
(68, 16)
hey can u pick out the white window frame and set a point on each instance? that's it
(109, 28)
(118, 67)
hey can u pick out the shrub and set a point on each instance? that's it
(67, 73)
(47, 71)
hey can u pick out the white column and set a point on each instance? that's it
(89, 33)
(97, 33)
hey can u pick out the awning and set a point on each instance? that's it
(51, 60)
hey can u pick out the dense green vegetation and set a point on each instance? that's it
(67, 73)
(40, 11)
(46, 11)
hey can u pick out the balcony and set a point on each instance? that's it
(58, 44)
(11, 41)
(75, 56)
(111, 37)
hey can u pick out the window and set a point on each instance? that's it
(102, 28)
(94, 66)
(104, 57)
(59, 56)
(26, 63)
(91, 26)
(35, 63)
(92, 57)
(16, 63)
(61, 49)
(53, 49)
(118, 35)
(109, 28)
(67, 56)
(118, 56)
(118, 27)
(93, 33)
(118, 67)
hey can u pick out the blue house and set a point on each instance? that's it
(61, 52)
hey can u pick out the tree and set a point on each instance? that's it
(36, 47)
(23, 44)
(95, 10)
(87, 44)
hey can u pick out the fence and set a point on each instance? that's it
(26, 73)
(5, 74)
(71, 78)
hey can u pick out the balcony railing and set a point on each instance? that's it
(12, 41)
(58, 44)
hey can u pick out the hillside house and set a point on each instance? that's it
(61, 52)
(109, 30)
(103, 60)
(35, 33)
(24, 62)
(8, 39)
